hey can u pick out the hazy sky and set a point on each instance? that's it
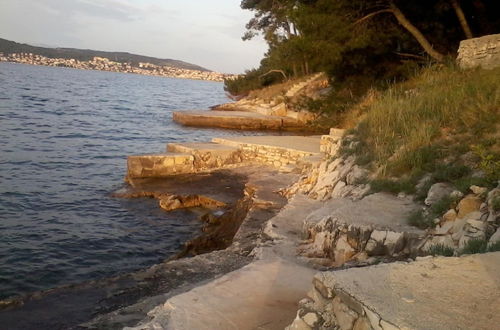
(203, 32)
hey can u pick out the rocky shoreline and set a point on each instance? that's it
(278, 211)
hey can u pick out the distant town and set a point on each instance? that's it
(104, 64)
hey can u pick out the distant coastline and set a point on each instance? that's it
(104, 64)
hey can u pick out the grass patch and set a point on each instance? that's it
(441, 250)
(420, 220)
(423, 220)
(474, 246)
(495, 247)
(402, 127)
(495, 203)
(393, 186)
(463, 184)
(449, 173)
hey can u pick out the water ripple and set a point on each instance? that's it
(64, 138)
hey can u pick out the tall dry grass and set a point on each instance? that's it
(404, 127)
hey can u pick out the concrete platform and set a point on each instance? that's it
(262, 295)
(304, 144)
(431, 293)
(191, 148)
(237, 120)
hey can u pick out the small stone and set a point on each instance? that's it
(456, 194)
(298, 324)
(362, 324)
(344, 315)
(478, 190)
(450, 215)
(437, 192)
(468, 204)
(444, 229)
(495, 237)
(373, 318)
(387, 326)
(311, 319)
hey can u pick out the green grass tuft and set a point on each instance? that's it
(441, 250)
(474, 246)
(494, 247)
(419, 220)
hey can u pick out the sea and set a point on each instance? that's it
(64, 138)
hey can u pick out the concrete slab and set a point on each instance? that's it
(307, 144)
(190, 148)
(431, 293)
(236, 120)
(262, 295)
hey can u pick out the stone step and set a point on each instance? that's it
(430, 293)
(159, 165)
(362, 231)
(208, 155)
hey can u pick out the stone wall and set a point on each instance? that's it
(342, 242)
(329, 307)
(483, 52)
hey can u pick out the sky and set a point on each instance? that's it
(202, 32)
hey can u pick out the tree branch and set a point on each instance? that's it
(272, 71)
(362, 19)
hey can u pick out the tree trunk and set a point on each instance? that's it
(461, 18)
(422, 40)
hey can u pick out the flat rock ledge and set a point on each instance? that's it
(430, 293)
(237, 120)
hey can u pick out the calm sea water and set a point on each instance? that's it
(64, 138)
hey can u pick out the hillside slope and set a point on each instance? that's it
(10, 47)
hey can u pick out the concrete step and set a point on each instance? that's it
(307, 145)
(159, 165)
(193, 148)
